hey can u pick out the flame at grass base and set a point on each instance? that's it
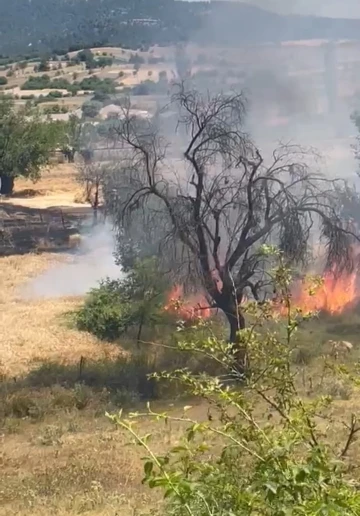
(334, 295)
(190, 308)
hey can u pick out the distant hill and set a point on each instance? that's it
(233, 23)
(329, 8)
(58, 25)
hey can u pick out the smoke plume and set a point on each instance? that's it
(92, 262)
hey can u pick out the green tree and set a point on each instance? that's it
(102, 62)
(44, 66)
(22, 65)
(26, 143)
(87, 57)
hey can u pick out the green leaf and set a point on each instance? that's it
(148, 468)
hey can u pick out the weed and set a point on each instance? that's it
(51, 436)
(337, 389)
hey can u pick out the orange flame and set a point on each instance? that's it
(335, 295)
(193, 307)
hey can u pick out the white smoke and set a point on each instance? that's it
(92, 262)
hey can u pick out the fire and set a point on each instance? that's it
(335, 294)
(190, 308)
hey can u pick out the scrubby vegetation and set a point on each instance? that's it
(75, 25)
(88, 84)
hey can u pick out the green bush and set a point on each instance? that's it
(37, 83)
(135, 301)
(3, 81)
(105, 314)
(55, 94)
(93, 83)
(55, 109)
(91, 109)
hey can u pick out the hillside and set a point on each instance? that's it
(39, 26)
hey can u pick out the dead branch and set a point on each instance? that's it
(353, 428)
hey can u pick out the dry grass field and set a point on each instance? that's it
(31, 331)
(59, 454)
(37, 334)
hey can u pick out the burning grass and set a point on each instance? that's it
(334, 295)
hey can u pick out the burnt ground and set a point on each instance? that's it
(24, 230)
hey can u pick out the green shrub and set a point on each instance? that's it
(104, 313)
(135, 301)
(91, 109)
(27, 97)
(55, 109)
(37, 83)
(93, 83)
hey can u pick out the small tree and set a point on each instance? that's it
(73, 136)
(23, 65)
(91, 109)
(43, 66)
(136, 59)
(26, 143)
(135, 301)
(92, 175)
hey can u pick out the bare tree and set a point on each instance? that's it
(92, 175)
(224, 200)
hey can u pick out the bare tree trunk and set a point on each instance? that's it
(95, 216)
(71, 156)
(95, 207)
(141, 324)
(237, 323)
